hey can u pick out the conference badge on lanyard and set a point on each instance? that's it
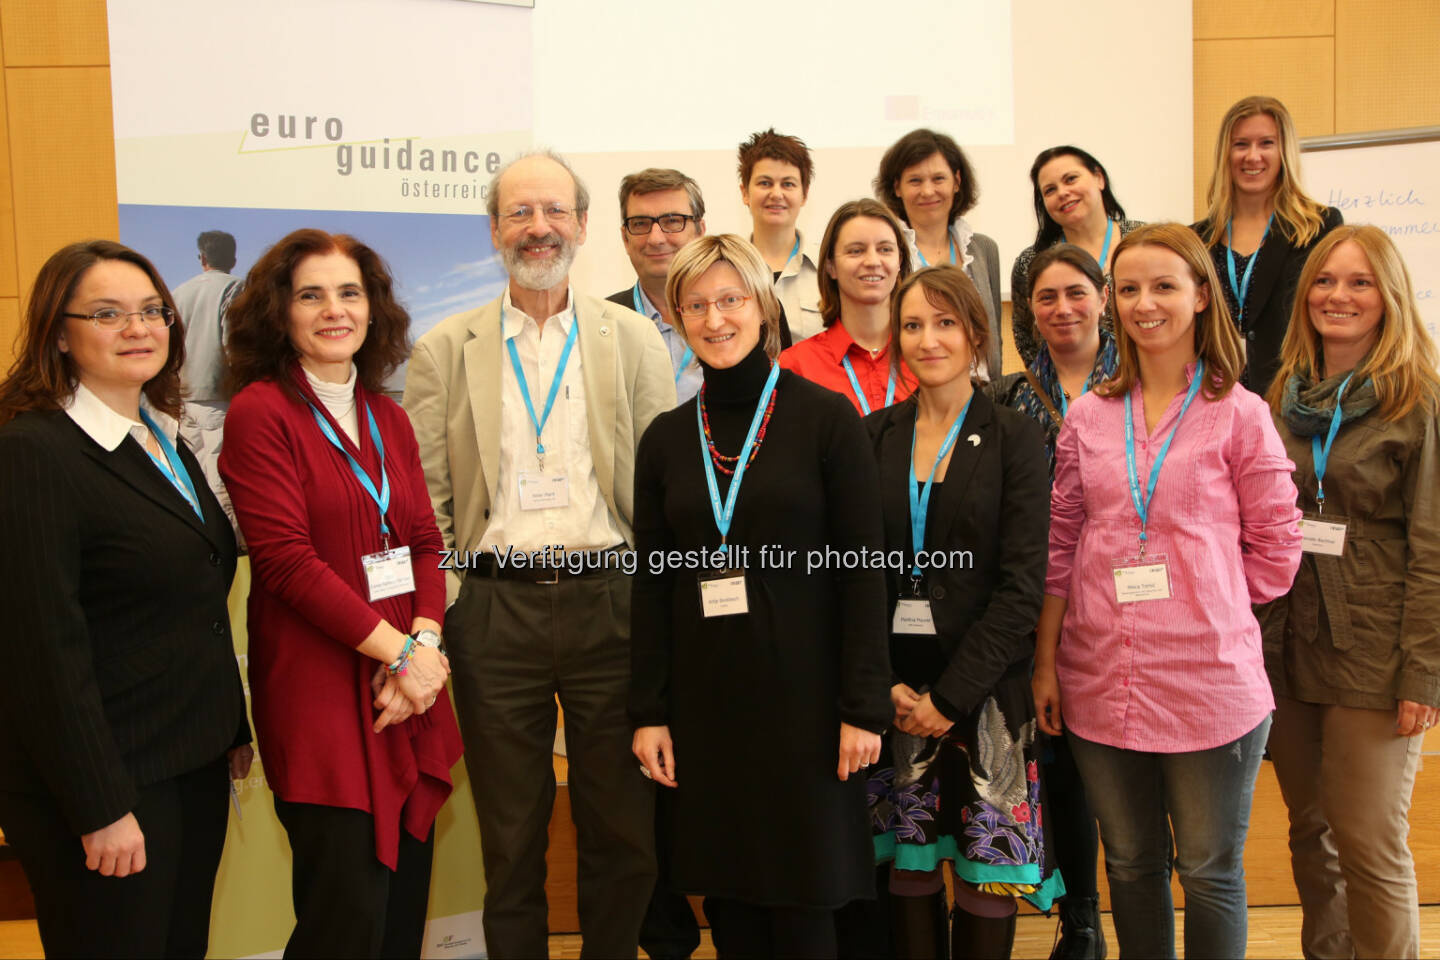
(1321, 536)
(537, 489)
(1316, 534)
(1140, 577)
(913, 616)
(722, 592)
(388, 573)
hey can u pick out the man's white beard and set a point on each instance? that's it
(538, 276)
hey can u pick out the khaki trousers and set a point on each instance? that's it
(1346, 778)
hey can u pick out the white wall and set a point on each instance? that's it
(1112, 77)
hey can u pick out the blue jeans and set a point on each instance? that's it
(1205, 796)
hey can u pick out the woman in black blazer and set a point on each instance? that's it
(122, 717)
(1260, 227)
(959, 781)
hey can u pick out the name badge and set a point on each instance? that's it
(913, 617)
(1318, 536)
(544, 491)
(389, 573)
(722, 594)
(1139, 579)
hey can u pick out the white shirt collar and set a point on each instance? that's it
(513, 319)
(108, 428)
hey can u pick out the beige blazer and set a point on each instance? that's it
(452, 394)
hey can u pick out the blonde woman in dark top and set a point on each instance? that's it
(1260, 226)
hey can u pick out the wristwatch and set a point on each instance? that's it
(427, 638)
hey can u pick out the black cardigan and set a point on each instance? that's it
(1270, 298)
(995, 503)
(118, 666)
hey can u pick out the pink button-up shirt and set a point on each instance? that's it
(1185, 673)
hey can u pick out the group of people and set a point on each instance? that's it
(1212, 421)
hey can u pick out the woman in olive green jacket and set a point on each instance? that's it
(1353, 651)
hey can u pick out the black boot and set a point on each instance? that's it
(1081, 936)
(920, 926)
(981, 938)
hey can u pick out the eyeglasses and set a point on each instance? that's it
(696, 308)
(669, 223)
(111, 318)
(553, 213)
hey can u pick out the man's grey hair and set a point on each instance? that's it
(582, 194)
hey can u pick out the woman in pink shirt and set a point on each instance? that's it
(1147, 648)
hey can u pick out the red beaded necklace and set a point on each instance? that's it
(724, 464)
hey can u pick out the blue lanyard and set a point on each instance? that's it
(920, 501)
(1065, 404)
(382, 499)
(1242, 287)
(1321, 454)
(1105, 249)
(793, 250)
(724, 515)
(1142, 507)
(685, 357)
(926, 263)
(539, 423)
(172, 467)
(860, 394)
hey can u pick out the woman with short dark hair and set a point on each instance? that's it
(929, 184)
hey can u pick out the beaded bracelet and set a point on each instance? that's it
(402, 662)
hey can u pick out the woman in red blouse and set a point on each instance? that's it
(346, 672)
(863, 256)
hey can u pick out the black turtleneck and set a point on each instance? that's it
(759, 698)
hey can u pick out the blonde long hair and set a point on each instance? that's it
(1401, 364)
(1301, 217)
(1217, 342)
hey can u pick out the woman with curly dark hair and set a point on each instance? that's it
(121, 712)
(325, 476)
(929, 184)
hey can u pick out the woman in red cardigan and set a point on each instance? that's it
(346, 672)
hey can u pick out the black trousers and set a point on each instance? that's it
(348, 903)
(515, 647)
(746, 930)
(162, 911)
(1073, 832)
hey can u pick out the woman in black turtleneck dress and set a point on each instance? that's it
(762, 720)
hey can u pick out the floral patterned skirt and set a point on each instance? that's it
(972, 797)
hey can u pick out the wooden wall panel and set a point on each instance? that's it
(9, 330)
(55, 33)
(1386, 71)
(1236, 19)
(9, 285)
(62, 160)
(1300, 72)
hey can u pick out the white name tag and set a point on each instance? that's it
(724, 596)
(1137, 580)
(543, 491)
(913, 617)
(389, 573)
(1317, 536)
